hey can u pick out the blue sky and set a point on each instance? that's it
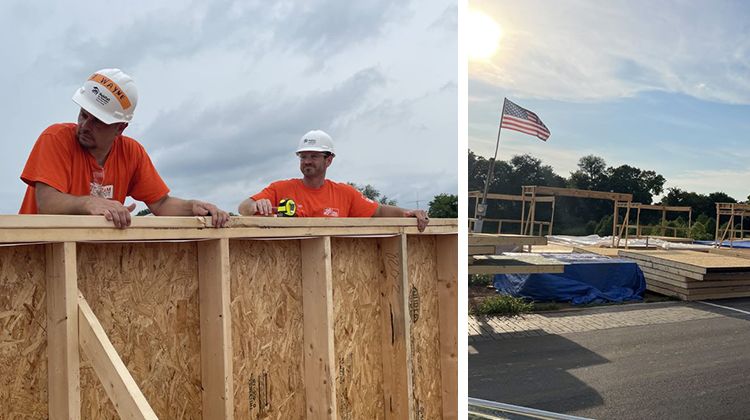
(663, 86)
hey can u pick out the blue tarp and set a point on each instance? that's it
(733, 244)
(588, 278)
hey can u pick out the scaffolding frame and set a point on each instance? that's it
(477, 195)
(532, 193)
(664, 209)
(732, 210)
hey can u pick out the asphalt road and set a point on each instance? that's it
(697, 369)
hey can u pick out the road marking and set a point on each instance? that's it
(725, 307)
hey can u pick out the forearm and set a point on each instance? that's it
(51, 201)
(172, 206)
(385, 210)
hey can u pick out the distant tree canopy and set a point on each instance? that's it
(444, 205)
(585, 216)
(373, 194)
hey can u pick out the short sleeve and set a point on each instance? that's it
(146, 186)
(361, 206)
(270, 193)
(49, 162)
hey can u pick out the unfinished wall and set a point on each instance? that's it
(425, 338)
(357, 274)
(23, 338)
(145, 295)
(267, 334)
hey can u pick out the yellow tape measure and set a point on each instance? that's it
(287, 208)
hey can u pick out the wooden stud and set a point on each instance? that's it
(111, 371)
(398, 391)
(317, 304)
(216, 329)
(64, 388)
(447, 286)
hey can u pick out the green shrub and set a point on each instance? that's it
(480, 279)
(503, 305)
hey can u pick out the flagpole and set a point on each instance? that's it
(482, 207)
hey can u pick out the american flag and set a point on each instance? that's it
(520, 119)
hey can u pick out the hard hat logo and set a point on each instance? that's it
(102, 98)
(112, 87)
(316, 141)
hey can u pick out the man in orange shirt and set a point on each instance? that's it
(315, 196)
(90, 167)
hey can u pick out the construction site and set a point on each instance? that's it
(279, 318)
(645, 323)
(672, 263)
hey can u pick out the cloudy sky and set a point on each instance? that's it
(660, 85)
(227, 88)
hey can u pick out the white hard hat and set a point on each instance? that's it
(316, 141)
(109, 95)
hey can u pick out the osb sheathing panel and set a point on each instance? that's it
(425, 335)
(145, 295)
(267, 329)
(357, 275)
(23, 338)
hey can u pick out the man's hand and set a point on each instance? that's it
(263, 207)
(218, 216)
(112, 210)
(422, 219)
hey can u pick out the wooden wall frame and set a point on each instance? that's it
(733, 210)
(87, 253)
(532, 193)
(476, 195)
(663, 209)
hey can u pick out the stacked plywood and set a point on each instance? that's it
(691, 275)
(482, 260)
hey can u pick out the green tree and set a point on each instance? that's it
(143, 212)
(444, 205)
(373, 194)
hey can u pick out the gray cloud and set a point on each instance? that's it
(228, 87)
(245, 131)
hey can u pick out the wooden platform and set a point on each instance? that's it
(514, 263)
(693, 275)
(505, 239)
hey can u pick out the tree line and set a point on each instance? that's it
(576, 216)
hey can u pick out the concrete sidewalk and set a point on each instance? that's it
(586, 319)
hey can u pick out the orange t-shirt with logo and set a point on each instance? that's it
(333, 199)
(59, 161)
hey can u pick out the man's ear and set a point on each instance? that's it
(122, 128)
(329, 160)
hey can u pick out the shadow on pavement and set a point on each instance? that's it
(743, 304)
(533, 372)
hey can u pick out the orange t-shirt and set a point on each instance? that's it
(331, 200)
(60, 162)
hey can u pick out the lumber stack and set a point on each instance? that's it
(691, 275)
(482, 258)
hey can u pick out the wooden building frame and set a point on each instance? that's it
(224, 296)
(539, 225)
(664, 209)
(733, 210)
(532, 193)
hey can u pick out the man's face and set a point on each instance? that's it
(94, 134)
(314, 164)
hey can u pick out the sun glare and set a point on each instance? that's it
(483, 35)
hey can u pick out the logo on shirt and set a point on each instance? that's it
(330, 212)
(103, 191)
